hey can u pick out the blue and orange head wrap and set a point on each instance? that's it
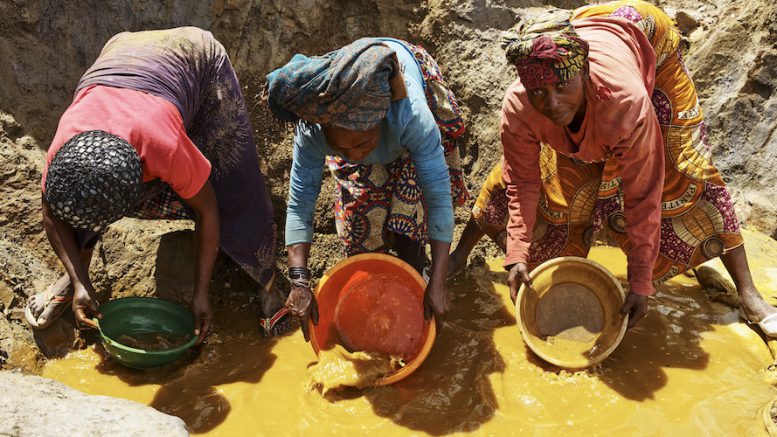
(546, 50)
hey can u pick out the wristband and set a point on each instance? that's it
(299, 273)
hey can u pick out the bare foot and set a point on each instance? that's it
(754, 306)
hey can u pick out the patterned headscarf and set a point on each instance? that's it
(546, 50)
(93, 180)
(347, 88)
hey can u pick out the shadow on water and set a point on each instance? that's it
(451, 391)
(233, 353)
(668, 337)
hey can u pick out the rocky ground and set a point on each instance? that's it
(24, 414)
(731, 53)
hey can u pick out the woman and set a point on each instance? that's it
(158, 129)
(603, 128)
(365, 111)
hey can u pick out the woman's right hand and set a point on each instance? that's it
(302, 304)
(85, 307)
(519, 274)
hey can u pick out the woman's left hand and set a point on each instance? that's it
(436, 301)
(203, 315)
(635, 307)
(206, 240)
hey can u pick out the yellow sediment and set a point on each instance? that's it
(337, 368)
(691, 367)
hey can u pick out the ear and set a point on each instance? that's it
(397, 83)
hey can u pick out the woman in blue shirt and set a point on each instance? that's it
(364, 111)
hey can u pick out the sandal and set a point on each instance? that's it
(280, 322)
(61, 303)
(276, 325)
(768, 324)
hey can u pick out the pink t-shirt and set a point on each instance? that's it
(151, 124)
(620, 123)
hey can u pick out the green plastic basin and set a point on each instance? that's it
(141, 315)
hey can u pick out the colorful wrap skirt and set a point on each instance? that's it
(698, 222)
(375, 200)
(189, 68)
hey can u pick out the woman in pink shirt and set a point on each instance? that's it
(602, 130)
(158, 129)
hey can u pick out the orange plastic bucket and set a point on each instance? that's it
(374, 302)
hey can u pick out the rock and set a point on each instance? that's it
(23, 355)
(58, 339)
(16, 314)
(18, 348)
(686, 22)
(7, 296)
(35, 406)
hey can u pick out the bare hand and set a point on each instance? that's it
(635, 307)
(437, 301)
(85, 307)
(302, 304)
(203, 316)
(519, 274)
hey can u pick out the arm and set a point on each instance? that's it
(304, 186)
(206, 242)
(640, 161)
(521, 174)
(436, 299)
(421, 136)
(187, 171)
(63, 240)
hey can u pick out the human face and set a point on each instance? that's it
(354, 145)
(561, 102)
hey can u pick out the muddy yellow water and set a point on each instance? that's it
(689, 368)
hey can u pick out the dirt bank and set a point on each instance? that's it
(47, 46)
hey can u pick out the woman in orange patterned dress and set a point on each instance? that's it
(603, 129)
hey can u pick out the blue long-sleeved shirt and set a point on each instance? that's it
(409, 126)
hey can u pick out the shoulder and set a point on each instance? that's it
(621, 98)
(309, 140)
(409, 111)
(620, 55)
(516, 109)
(513, 101)
(308, 131)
